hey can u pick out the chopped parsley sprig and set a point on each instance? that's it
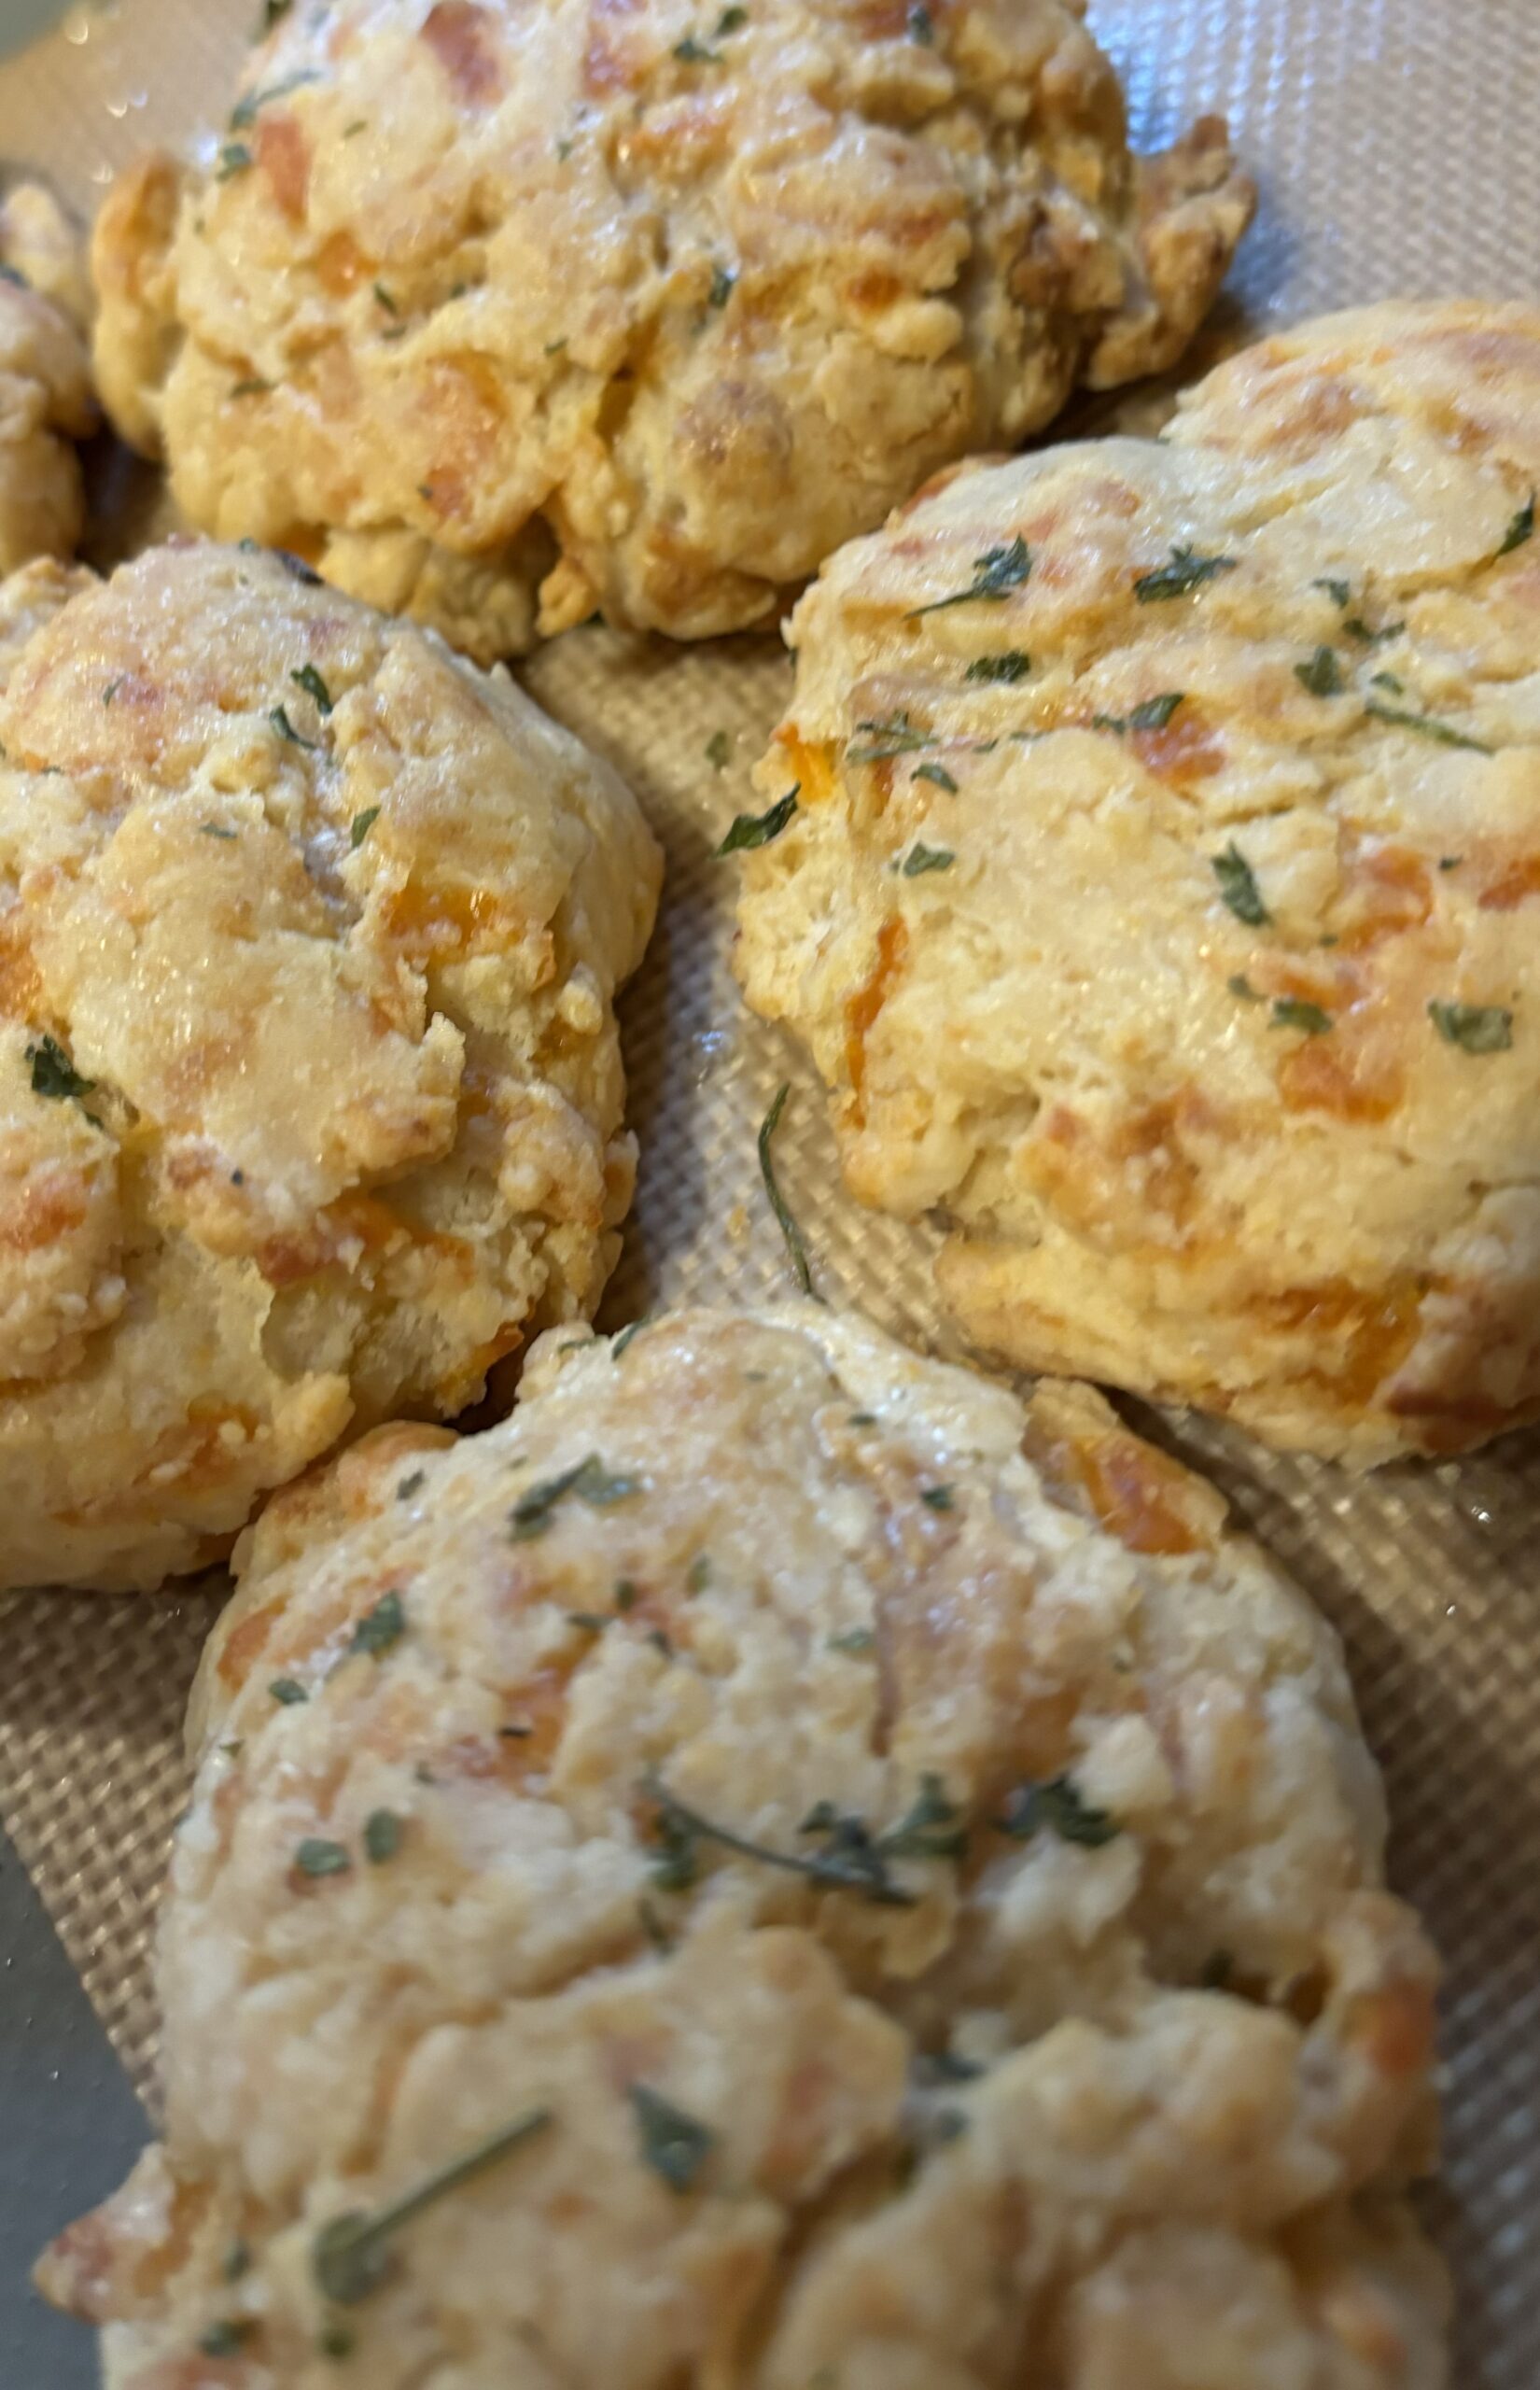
(897, 736)
(1520, 529)
(1059, 1806)
(1187, 571)
(782, 1210)
(1238, 887)
(53, 1074)
(1481, 1029)
(758, 829)
(996, 573)
(1426, 725)
(675, 2145)
(850, 1858)
(350, 2256)
(588, 1481)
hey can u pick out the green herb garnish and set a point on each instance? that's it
(237, 2261)
(287, 1691)
(722, 279)
(945, 2066)
(623, 1338)
(588, 1480)
(1239, 985)
(1520, 528)
(937, 775)
(234, 159)
(672, 2143)
(53, 1074)
(350, 2255)
(245, 111)
(315, 1857)
(1425, 725)
(758, 829)
(789, 1228)
(1013, 666)
(895, 737)
(360, 827)
(1155, 712)
(719, 750)
(225, 2339)
(253, 386)
(850, 1859)
(929, 1828)
(111, 690)
(1187, 571)
(921, 26)
(308, 679)
(385, 300)
(383, 1832)
(1238, 887)
(854, 1639)
(285, 728)
(996, 573)
(380, 1628)
(1337, 591)
(1062, 1809)
(1322, 675)
(937, 1497)
(921, 858)
(1294, 1012)
(732, 21)
(1356, 627)
(410, 1486)
(698, 1575)
(695, 53)
(1481, 1029)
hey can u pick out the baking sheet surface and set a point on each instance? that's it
(1397, 146)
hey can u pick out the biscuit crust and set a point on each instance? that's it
(310, 1087)
(498, 314)
(1216, 1039)
(45, 398)
(977, 2104)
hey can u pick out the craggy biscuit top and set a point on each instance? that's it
(636, 306)
(46, 401)
(310, 1092)
(1159, 894)
(776, 1865)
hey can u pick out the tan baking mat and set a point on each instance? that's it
(1397, 143)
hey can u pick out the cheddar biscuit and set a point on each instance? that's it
(500, 315)
(310, 1089)
(777, 1863)
(1159, 896)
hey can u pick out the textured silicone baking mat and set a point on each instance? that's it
(1397, 146)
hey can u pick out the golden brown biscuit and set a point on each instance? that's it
(310, 1088)
(1161, 894)
(46, 401)
(922, 1903)
(490, 309)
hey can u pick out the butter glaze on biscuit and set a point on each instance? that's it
(491, 309)
(1216, 1039)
